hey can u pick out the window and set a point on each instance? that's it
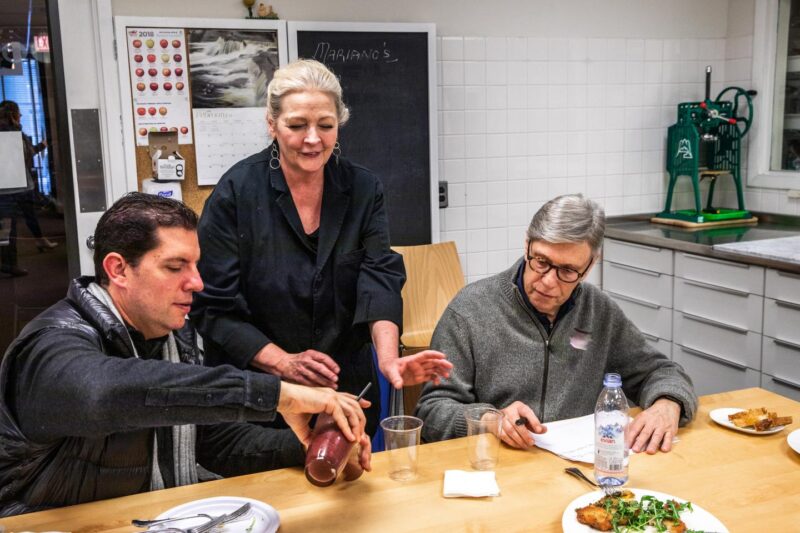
(775, 150)
(26, 90)
(785, 152)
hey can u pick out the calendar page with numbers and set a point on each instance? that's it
(230, 70)
(224, 137)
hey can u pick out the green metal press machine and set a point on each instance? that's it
(706, 143)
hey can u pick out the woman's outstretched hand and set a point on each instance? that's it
(428, 365)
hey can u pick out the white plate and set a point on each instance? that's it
(794, 440)
(698, 518)
(261, 518)
(720, 416)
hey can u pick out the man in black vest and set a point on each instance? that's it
(104, 394)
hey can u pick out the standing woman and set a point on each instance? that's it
(298, 273)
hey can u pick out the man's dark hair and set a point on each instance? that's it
(130, 227)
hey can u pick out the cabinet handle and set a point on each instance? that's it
(651, 338)
(714, 323)
(637, 270)
(637, 245)
(789, 305)
(715, 260)
(714, 358)
(786, 344)
(786, 382)
(727, 290)
(634, 300)
(787, 274)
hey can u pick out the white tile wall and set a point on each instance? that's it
(522, 120)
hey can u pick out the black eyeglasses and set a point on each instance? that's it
(542, 266)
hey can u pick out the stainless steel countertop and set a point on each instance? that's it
(639, 229)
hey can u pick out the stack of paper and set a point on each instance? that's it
(571, 439)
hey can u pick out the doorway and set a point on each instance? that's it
(35, 268)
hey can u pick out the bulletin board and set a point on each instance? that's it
(206, 80)
(388, 77)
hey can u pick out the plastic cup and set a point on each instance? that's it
(327, 455)
(484, 425)
(401, 435)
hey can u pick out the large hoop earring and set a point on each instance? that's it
(275, 158)
(337, 151)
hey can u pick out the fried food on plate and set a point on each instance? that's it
(623, 511)
(760, 419)
(597, 517)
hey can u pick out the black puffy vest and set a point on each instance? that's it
(37, 476)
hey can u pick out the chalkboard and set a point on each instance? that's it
(386, 78)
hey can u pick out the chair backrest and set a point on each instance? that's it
(434, 277)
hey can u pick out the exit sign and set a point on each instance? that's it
(41, 43)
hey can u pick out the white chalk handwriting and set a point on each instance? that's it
(326, 53)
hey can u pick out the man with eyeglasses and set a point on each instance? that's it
(535, 342)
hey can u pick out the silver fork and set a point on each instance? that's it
(211, 524)
(149, 523)
(224, 519)
(578, 473)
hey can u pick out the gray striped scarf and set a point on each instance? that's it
(183, 437)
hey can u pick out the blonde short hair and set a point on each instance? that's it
(305, 75)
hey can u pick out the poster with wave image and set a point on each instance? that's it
(229, 73)
(231, 68)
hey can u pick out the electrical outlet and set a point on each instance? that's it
(793, 193)
(443, 194)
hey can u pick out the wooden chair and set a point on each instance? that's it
(434, 277)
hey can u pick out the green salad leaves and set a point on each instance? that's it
(633, 515)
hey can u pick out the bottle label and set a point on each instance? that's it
(610, 446)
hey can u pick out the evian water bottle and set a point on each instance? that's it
(610, 421)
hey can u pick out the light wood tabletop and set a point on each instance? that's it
(749, 482)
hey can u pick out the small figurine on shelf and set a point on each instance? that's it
(266, 12)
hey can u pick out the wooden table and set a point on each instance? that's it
(751, 483)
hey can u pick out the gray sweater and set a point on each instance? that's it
(501, 354)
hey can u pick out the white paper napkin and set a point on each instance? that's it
(462, 484)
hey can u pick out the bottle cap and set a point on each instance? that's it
(612, 380)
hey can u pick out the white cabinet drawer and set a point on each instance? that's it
(781, 386)
(638, 255)
(783, 286)
(710, 375)
(781, 359)
(738, 346)
(728, 306)
(650, 318)
(782, 320)
(713, 271)
(663, 346)
(639, 284)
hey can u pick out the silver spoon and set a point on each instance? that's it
(578, 473)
